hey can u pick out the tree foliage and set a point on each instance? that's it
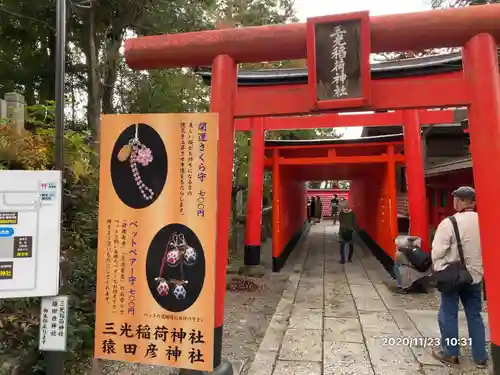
(19, 318)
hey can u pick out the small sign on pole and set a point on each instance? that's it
(54, 324)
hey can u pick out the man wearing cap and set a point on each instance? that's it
(444, 252)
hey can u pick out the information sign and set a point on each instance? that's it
(30, 219)
(156, 250)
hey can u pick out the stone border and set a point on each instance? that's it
(266, 356)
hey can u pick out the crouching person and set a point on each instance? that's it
(412, 266)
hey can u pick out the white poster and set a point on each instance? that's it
(30, 232)
(54, 323)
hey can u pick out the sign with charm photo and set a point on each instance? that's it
(338, 54)
(156, 250)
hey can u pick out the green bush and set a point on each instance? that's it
(19, 318)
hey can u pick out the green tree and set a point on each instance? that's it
(27, 48)
(101, 27)
(314, 184)
(160, 91)
(96, 30)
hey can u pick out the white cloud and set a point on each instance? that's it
(313, 8)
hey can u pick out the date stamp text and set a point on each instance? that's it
(424, 342)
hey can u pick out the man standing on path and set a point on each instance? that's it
(444, 252)
(312, 210)
(334, 205)
(347, 225)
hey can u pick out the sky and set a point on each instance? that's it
(313, 8)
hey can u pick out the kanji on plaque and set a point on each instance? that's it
(156, 252)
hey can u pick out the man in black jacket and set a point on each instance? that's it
(334, 205)
(347, 225)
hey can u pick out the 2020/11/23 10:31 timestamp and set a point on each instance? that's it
(424, 342)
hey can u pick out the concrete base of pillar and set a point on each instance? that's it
(252, 271)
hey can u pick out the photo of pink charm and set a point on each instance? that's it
(173, 257)
(144, 156)
(163, 288)
(139, 166)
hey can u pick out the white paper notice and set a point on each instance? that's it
(54, 323)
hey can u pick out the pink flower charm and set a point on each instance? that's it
(163, 288)
(173, 257)
(144, 156)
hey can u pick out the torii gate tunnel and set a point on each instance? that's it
(475, 86)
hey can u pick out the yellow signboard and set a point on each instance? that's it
(157, 229)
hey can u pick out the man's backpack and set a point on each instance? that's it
(419, 259)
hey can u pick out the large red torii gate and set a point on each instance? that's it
(395, 32)
(477, 87)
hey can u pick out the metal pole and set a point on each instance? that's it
(60, 71)
(55, 360)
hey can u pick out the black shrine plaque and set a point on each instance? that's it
(338, 58)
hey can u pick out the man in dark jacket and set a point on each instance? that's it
(334, 203)
(312, 209)
(347, 225)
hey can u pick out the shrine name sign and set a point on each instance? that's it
(338, 60)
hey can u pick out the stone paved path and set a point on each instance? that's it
(332, 318)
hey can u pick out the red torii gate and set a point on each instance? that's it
(294, 162)
(257, 125)
(477, 87)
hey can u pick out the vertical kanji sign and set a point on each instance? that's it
(338, 60)
(157, 227)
